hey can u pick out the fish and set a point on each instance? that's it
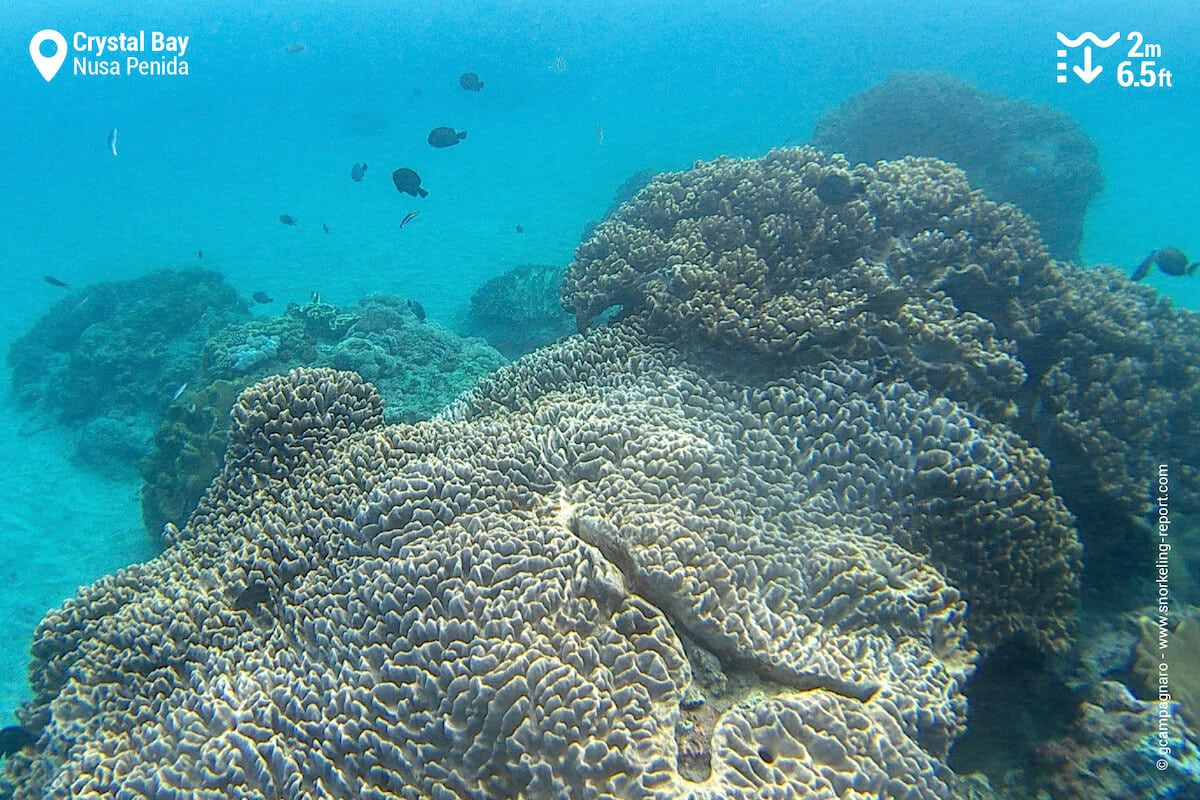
(357, 171)
(834, 189)
(470, 81)
(112, 141)
(254, 595)
(53, 281)
(325, 227)
(408, 182)
(1143, 269)
(292, 49)
(262, 297)
(314, 297)
(288, 219)
(408, 218)
(82, 302)
(520, 229)
(14, 738)
(179, 391)
(417, 309)
(200, 254)
(600, 134)
(1169, 260)
(444, 136)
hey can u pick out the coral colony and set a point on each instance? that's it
(752, 537)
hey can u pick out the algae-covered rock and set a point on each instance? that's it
(518, 312)
(187, 452)
(111, 355)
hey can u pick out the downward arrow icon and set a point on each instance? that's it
(1087, 73)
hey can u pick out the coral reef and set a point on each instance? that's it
(417, 367)
(744, 253)
(1116, 751)
(1174, 670)
(518, 312)
(929, 281)
(118, 351)
(1033, 156)
(749, 540)
(625, 192)
(491, 602)
(1116, 388)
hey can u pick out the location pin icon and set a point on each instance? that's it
(48, 65)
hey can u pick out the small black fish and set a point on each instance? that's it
(325, 227)
(288, 219)
(357, 171)
(200, 254)
(446, 137)
(254, 595)
(417, 309)
(14, 738)
(53, 281)
(470, 81)
(520, 229)
(1169, 260)
(834, 188)
(262, 297)
(408, 182)
(408, 218)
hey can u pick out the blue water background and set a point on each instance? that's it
(210, 161)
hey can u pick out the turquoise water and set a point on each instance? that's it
(577, 97)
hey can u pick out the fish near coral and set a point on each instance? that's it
(834, 189)
(14, 738)
(253, 596)
(1169, 260)
(417, 309)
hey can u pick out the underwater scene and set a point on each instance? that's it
(527, 399)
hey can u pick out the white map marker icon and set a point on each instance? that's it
(48, 65)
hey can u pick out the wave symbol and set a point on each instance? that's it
(1088, 36)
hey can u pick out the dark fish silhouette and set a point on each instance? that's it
(53, 281)
(199, 254)
(262, 297)
(470, 81)
(520, 229)
(1169, 260)
(417, 309)
(408, 182)
(14, 738)
(254, 595)
(408, 218)
(446, 137)
(357, 171)
(288, 219)
(325, 227)
(835, 188)
(298, 47)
